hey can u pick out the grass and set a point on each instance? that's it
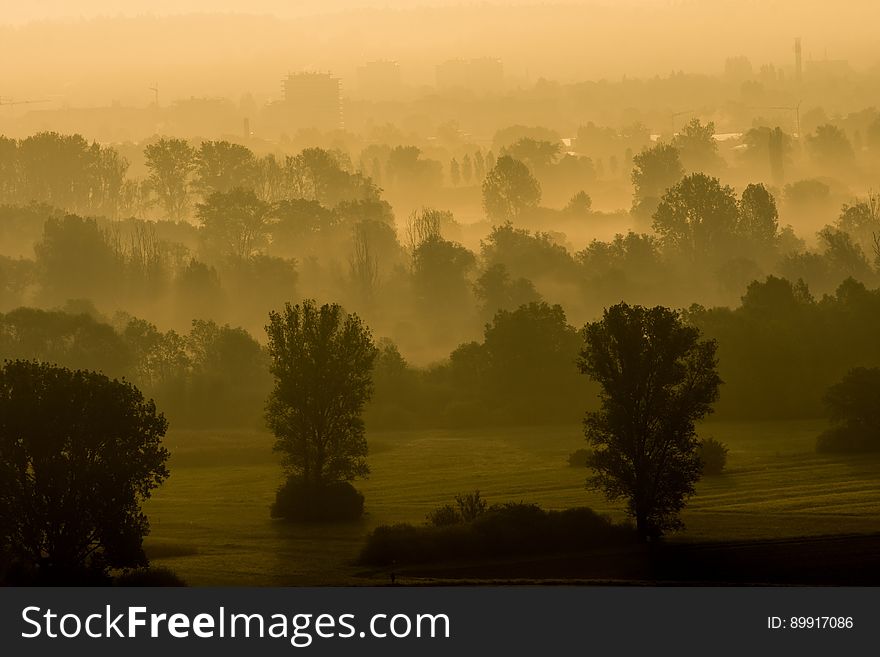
(210, 520)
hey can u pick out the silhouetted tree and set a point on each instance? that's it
(655, 170)
(75, 260)
(170, 163)
(467, 169)
(697, 217)
(830, 147)
(854, 407)
(454, 172)
(697, 148)
(758, 217)
(536, 154)
(657, 379)
(509, 189)
(580, 204)
(440, 268)
(322, 359)
(496, 290)
(78, 454)
(223, 166)
(235, 223)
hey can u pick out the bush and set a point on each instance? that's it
(153, 576)
(302, 502)
(713, 454)
(854, 408)
(502, 530)
(580, 458)
(468, 507)
(846, 439)
(443, 516)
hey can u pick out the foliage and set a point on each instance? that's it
(234, 223)
(854, 409)
(655, 170)
(171, 163)
(322, 359)
(467, 508)
(696, 145)
(713, 456)
(222, 166)
(78, 454)
(580, 458)
(657, 379)
(830, 147)
(502, 530)
(697, 216)
(300, 501)
(509, 189)
(496, 290)
(74, 259)
(153, 576)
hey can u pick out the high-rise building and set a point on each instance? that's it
(312, 100)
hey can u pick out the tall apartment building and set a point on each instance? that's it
(312, 100)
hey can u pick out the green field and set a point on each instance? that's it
(210, 520)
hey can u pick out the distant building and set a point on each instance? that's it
(312, 100)
(379, 80)
(485, 75)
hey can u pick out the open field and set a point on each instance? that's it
(210, 521)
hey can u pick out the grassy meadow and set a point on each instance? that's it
(210, 520)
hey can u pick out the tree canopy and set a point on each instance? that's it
(509, 189)
(79, 452)
(657, 379)
(322, 360)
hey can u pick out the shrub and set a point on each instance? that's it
(443, 516)
(502, 530)
(580, 458)
(854, 408)
(846, 439)
(298, 501)
(468, 507)
(152, 576)
(713, 454)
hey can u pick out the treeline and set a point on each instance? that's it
(212, 376)
(779, 352)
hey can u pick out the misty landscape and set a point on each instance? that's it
(438, 292)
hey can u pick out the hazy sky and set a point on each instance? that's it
(19, 12)
(114, 51)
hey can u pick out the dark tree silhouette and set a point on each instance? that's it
(657, 378)
(655, 170)
(322, 360)
(79, 452)
(509, 189)
(696, 146)
(170, 163)
(697, 217)
(235, 223)
(854, 408)
(758, 217)
(223, 166)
